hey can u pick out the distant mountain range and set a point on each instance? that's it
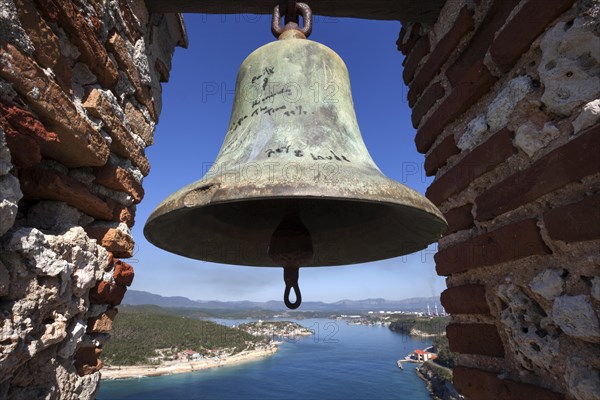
(136, 297)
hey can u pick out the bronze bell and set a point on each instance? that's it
(293, 184)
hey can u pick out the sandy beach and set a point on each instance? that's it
(178, 367)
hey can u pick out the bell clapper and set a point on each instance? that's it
(290, 277)
(291, 246)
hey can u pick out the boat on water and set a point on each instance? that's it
(399, 363)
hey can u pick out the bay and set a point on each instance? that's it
(339, 362)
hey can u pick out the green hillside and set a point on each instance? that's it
(139, 331)
(428, 325)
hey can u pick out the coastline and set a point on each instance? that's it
(416, 332)
(439, 387)
(179, 367)
(427, 380)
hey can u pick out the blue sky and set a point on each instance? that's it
(196, 109)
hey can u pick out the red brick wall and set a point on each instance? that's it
(504, 97)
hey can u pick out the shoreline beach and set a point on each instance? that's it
(180, 367)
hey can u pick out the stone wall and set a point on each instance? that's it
(80, 94)
(505, 100)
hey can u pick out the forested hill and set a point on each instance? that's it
(415, 324)
(138, 331)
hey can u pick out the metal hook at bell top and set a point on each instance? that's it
(291, 23)
(290, 277)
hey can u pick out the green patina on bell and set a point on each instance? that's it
(293, 184)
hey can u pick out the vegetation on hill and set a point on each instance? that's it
(445, 357)
(139, 331)
(274, 329)
(274, 325)
(411, 324)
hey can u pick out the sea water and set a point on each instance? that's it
(340, 361)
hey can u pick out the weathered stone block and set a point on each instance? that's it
(123, 273)
(75, 332)
(464, 23)
(401, 37)
(426, 102)
(45, 42)
(142, 94)
(576, 317)
(79, 144)
(45, 184)
(25, 151)
(406, 44)
(107, 293)
(478, 384)
(590, 115)
(99, 104)
(10, 31)
(501, 108)
(4, 280)
(24, 134)
(124, 214)
(582, 379)
(5, 162)
(114, 239)
(575, 222)
(414, 58)
(530, 138)
(8, 202)
(480, 160)
(118, 178)
(533, 341)
(82, 75)
(512, 242)
(142, 63)
(476, 81)
(81, 34)
(162, 70)
(459, 218)
(595, 292)
(26, 123)
(54, 331)
(527, 24)
(548, 284)
(103, 322)
(465, 299)
(473, 134)
(87, 360)
(132, 28)
(56, 216)
(570, 66)
(440, 154)
(568, 163)
(481, 339)
(139, 124)
(481, 41)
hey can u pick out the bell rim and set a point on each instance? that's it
(439, 220)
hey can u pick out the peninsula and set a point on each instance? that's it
(151, 341)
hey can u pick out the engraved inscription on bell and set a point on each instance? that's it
(294, 152)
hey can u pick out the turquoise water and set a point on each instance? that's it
(340, 362)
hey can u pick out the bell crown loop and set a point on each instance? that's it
(301, 9)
